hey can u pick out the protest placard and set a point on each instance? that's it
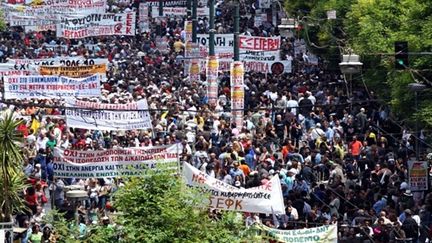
(263, 199)
(23, 64)
(43, 87)
(96, 25)
(418, 175)
(102, 116)
(113, 162)
(74, 71)
(325, 233)
(177, 11)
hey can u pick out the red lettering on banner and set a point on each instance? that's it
(129, 23)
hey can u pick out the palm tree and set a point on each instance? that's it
(11, 173)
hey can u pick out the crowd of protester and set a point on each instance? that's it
(335, 162)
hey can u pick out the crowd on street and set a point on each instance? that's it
(335, 160)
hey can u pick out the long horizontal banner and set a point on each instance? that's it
(74, 72)
(96, 25)
(24, 64)
(42, 87)
(264, 199)
(112, 162)
(100, 116)
(167, 3)
(273, 67)
(323, 234)
(178, 11)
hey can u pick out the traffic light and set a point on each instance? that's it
(401, 55)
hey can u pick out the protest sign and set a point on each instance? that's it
(113, 162)
(263, 199)
(212, 75)
(257, 43)
(28, 69)
(39, 28)
(96, 25)
(177, 11)
(167, 3)
(224, 44)
(101, 116)
(74, 72)
(24, 64)
(418, 175)
(237, 93)
(143, 17)
(42, 87)
(323, 234)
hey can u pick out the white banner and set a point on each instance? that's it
(263, 199)
(167, 3)
(100, 116)
(224, 45)
(322, 234)
(256, 43)
(112, 162)
(96, 25)
(274, 67)
(178, 11)
(418, 175)
(42, 87)
(25, 64)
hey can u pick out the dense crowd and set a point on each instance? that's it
(335, 163)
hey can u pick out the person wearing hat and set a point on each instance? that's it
(410, 226)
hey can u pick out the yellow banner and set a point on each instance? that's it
(73, 72)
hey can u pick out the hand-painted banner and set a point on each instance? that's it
(113, 162)
(264, 199)
(43, 87)
(323, 234)
(96, 25)
(167, 3)
(256, 43)
(100, 116)
(418, 175)
(274, 67)
(74, 72)
(25, 64)
(177, 11)
(40, 28)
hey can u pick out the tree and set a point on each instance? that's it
(370, 28)
(159, 207)
(12, 177)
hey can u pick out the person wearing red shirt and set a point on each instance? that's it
(355, 147)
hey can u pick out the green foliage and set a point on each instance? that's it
(159, 207)
(370, 28)
(65, 231)
(11, 175)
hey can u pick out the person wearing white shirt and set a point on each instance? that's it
(292, 105)
(41, 141)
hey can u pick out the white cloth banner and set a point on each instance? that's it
(263, 199)
(43, 87)
(113, 162)
(96, 25)
(178, 11)
(323, 234)
(100, 116)
(25, 64)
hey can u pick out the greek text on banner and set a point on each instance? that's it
(112, 162)
(42, 87)
(101, 116)
(74, 72)
(263, 199)
(323, 234)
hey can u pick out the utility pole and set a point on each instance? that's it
(212, 29)
(160, 8)
(212, 62)
(237, 32)
(188, 9)
(194, 20)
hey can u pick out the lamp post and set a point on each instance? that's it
(417, 87)
(350, 65)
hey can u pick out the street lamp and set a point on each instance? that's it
(350, 65)
(417, 87)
